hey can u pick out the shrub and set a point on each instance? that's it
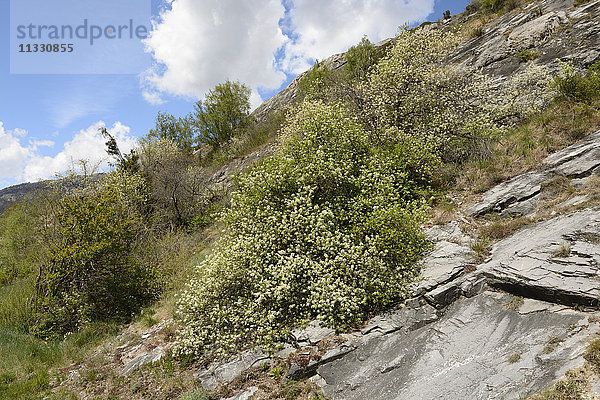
(20, 247)
(180, 190)
(455, 109)
(327, 228)
(577, 86)
(89, 275)
(492, 5)
(361, 58)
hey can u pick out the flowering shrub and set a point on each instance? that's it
(327, 228)
(416, 90)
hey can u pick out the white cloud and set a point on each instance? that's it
(197, 44)
(153, 98)
(88, 144)
(12, 155)
(325, 28)
(21, 162)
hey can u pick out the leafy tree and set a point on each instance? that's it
(178, 130)
(224, 111)
(180, 190)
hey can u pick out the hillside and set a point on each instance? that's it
(423, 226)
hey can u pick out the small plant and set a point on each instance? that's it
(481, 248)
(592, 354)
(514, 303)
(197, 394)
(527, 55)
(264, 367)
(514, 358)
(477, 31)
(276, 372)
(563, 251)
(552, 344)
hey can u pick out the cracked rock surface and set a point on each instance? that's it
(463, 355)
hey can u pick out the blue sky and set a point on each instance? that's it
(48, 121)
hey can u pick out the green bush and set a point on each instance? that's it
(327, 228)
(361, 58)
(577, 86)
(527, 55)
(316, 82)
(89, 275)
(492, 5)
(20, 247)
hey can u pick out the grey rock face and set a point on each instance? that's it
(462, 349)
(312, 334)
(557, 260)
(224, 373)
(245, 395)
(464, 355)
(552, 28)
(144, 359)
(516, 195)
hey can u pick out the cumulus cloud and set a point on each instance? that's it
(197, 44)
(153, 98)
(324, 28)
(22, 162)
(12, 154)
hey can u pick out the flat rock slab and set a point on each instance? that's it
(557, 260)
(463, 355)
(450, 256)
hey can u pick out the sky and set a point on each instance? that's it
(52, 105)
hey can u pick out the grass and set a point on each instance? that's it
(481, 248)
(514, 358)
(514, 304)
(551, 344)
(592, 355)
(563, 251)
(25, 361)
(502, 228)
(525, 146)
(572, 387)
(527, 55)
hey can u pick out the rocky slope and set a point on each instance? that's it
(506, 327)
